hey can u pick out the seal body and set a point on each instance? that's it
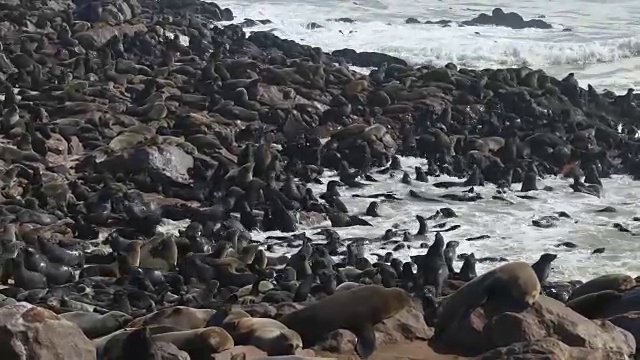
(517, 280)
(357, 310)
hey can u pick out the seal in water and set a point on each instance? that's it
(357, 310)
(516, 280)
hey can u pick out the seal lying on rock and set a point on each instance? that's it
(357, 310)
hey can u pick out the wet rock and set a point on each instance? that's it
(31, 332)
(412, 20)
(496, 324)
(366, 58)
(511, 20)
(313, 26)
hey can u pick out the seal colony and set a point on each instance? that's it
(119, 114)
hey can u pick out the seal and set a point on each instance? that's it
(372, 209)
(516, 280)
(357, 310)
(180, 317)
(268, 335)
(198, 343)
(468, 269)
(615, 282)
(432, 267)
(593, 305)
(542, 267)
(94, 325)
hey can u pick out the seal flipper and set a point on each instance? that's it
(366, 344)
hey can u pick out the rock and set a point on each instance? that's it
(367, 58)
(496, 324)
(94, 38)
(29, 332)
(511, 20)
(548, 348)
(171, 352)
(412, 20)
(313, 26)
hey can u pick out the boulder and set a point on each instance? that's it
(511, 20)
(163, 162)
(33, 333)
(496, 324)
(549, 348)
(96, 37)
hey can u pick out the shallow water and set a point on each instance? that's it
(509, 225)
(602, 48)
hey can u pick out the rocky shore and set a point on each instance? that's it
(119, 114)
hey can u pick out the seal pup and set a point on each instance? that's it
(357, 310)
(542, 267)
(616, 282)
(516, 280)
(468, 269)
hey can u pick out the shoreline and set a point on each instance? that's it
(110, 124)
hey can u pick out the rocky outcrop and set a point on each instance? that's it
(511, 20)
(367, 58)
(29, 332)
(549, 348)
(496, 324)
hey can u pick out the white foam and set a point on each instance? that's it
(599, 36)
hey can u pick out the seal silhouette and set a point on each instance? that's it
(357, 310)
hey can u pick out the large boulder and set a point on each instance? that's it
(496, 324)
(29, 332)
(549, 348)
(162, 163)
(96, 37)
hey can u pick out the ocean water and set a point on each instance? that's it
(602, 49)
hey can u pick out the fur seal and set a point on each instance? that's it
(616, 282)
(372, 209)
(357, 310)
(542, 267)
(180, 317)
(593, 305)
(269, 335)
(94, 325)
(198, 343)
(517, 280)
